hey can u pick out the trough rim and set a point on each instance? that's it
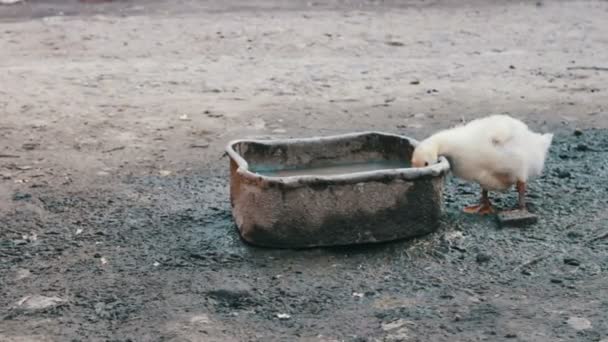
(410, 174)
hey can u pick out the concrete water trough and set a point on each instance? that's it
(337, 190)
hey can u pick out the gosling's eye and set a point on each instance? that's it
(426, 163)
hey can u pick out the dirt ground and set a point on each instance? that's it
(114, 216)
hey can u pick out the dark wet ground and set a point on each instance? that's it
(154, 253)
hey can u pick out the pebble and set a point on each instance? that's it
(563, 174)
(556, 281)
(578, 132)
(579, 323)
(21, 196)
(571, 262)
(516, 218)
(30, 146)
(283, 316)
(483, 258)
(22, 274)
(38, 302)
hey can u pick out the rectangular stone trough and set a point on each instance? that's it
(338, 190)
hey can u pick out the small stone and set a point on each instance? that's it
(200, 319)
(394, 43)
(482, 258)
(579, 323)
(394, 325)
(22, 274)
(563, 174)
(202, 145)
(578, 132)
(38, 302)
(21, 196)
(30, 146)
(510, 335)
(556, 281)
(571, 262)
(415, 82)
(283, 316)
(574, 235)
(516, 218)
(358, 295)
(511, 67)
(582, 148)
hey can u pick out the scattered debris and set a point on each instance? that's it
(114, 149)
(579, 323)
(200, 319)
(203, 145)
(358, 295)
(30, 146)
(184, 118)
(21, 196)
(38, 302)
(532, 261)
(165, 173)
(103, 260)
(593, 68)
(31, 237)
(395, 325)
(283, 316)
(78, 231)
(156, 264)
(454, 239)
(20, 167)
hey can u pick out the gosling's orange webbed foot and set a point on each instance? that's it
(480, 209)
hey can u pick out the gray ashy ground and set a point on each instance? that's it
(114, 219)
